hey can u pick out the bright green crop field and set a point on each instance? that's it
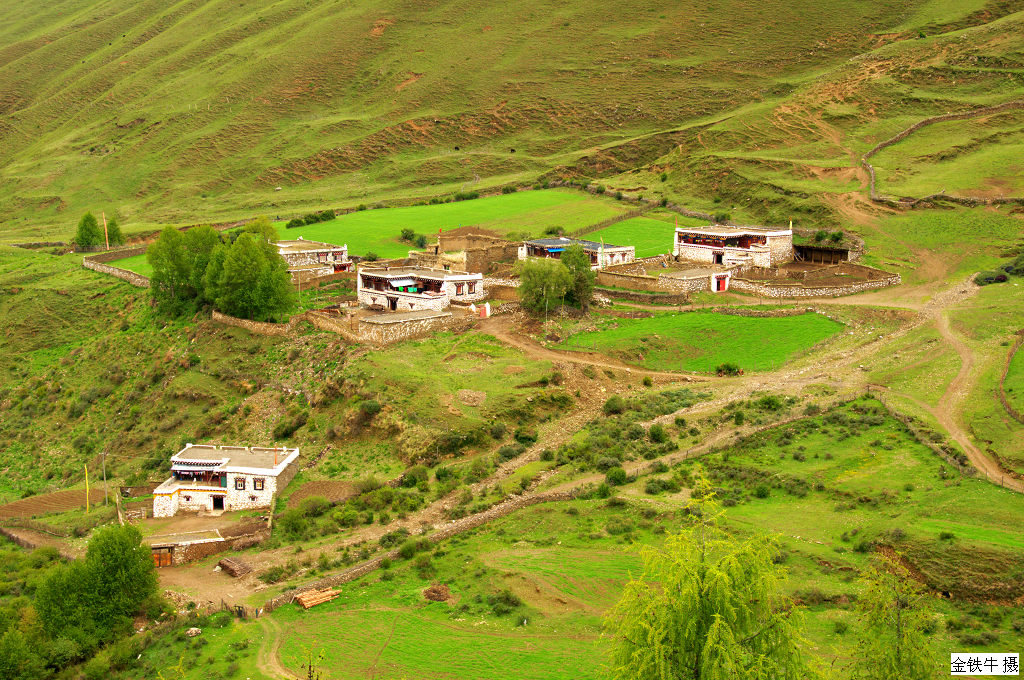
(700, 341)
(524, 213)
(650, 235)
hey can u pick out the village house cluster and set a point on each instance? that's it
(312, 259)
(412, 289)
(601, 254)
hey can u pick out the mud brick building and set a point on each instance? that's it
(601, 254)
(412, 289)
(312, 259)
(212, 478)
(726, 245)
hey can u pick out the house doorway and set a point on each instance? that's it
(218, 502)
(721, 283)
(393, 304)
(718, 257)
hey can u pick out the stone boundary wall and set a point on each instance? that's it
(645, 298)
(663, 284)
(382, 334)
(639, 266)
(452, 529)
(1014, 413)
(628, 215)
(109, 255)
(761, 313)
(131, 277)
(506, 308)
(502, 292)
(259, 327)
(797, 290)
(911, 202)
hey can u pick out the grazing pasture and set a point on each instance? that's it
(700, 341)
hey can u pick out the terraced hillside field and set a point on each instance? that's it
(208, 110)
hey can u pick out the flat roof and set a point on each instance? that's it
(235, 456)
(417, 272)
(563, 241)
(726, 230)
(301, 245)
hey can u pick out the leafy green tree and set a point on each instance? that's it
(200, 243)
(90, 601)
(543, 284)
(171, 281)
(18, 660)
(114, 234)
(252, 281)
(263, 227)
(894, 638)
(581, 290)
(89, 232)
(705, 607)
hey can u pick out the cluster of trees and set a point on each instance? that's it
(1014, 268)
(242, 275)
(545, 284)
(311, 218)
(707, 607)
(410, 236)
(90, 233)
(82, 605)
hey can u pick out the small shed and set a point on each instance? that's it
(818, 253)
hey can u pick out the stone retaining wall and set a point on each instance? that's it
(259, 327)
(771, 289)
(645, 298)
(452, 529)
(378, 333)
(131, 277)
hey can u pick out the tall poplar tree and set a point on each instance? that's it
(895, 619)
(706, 606)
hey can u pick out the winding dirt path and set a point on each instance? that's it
(267, 659)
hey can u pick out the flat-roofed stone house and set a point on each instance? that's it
(312, 259)
(411, 289)
(601, 254)
(212, 478)
(727, 245)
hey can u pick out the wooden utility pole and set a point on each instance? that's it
(106, 238)
(104, 478)
(86, 466)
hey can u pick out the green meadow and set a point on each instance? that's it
(650, 235)
(700, 341)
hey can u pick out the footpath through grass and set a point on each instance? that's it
(700, 341)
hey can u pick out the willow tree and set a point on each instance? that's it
(706, 607)
(894, 639)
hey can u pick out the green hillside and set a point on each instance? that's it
(210, 110)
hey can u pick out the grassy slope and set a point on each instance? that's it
(1014, 384)
(200, 111)
(700, 341)
(83, 355)
(568, 569)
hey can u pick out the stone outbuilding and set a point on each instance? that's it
(601, 254)
(413, 289)
(313, 259)
(211, 478)
(727, 245)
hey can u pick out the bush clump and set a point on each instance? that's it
(614, 405)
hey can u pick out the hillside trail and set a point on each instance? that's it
(267, 659)
(501, 328)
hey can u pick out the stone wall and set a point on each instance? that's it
(773, 289)
(118, 254)
(131, 277)
(407, 302)
(645, 298)
(503, 292)
(260, 327)
(661, 283)
(383, 331)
